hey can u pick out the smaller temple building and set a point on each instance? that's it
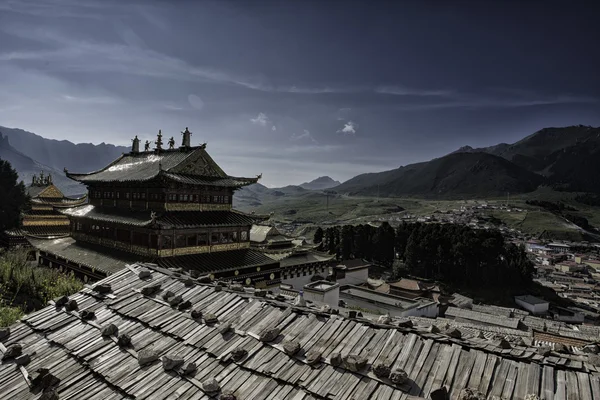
(300, 262)
(44, 219)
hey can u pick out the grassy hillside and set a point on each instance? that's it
(456, 175)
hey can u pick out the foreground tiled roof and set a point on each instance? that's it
(230, 350)
(165, 220)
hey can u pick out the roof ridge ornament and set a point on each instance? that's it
(135, 148)
(187, 140)
(159, 141)
(147, 146)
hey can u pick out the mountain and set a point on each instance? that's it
(564, 158)
(60, 154)
(569, 157)
(27, 167)
(321, 183)
(475, 174)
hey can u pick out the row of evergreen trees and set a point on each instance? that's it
(451, 253)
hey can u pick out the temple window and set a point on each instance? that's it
(226, 199)
(123, 235)
(222, 237)
(234, 236)
(140, 239)
(215, 199)
(143, 195)
(179, 241)
(195, 199)
(127, 195)
(172, 197)
(166, 242)
(191, 240)
(244, 236)
(202, 239)
(214, 238)
(184, 197)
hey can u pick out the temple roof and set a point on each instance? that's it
(217, 261)
(60, 203)
(186, 165)
(164, 220)
(107, 261)
(259, 233)
(46, 231)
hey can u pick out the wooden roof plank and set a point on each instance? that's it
(585, 390)
(511, 380)
(534, 375)
(500, 378)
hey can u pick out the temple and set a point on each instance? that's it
(44, 220)
(170, 206)
(300, 262)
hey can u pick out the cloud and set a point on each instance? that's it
(273, 128)
(481, 102)
(305, 135)
(403, 91)
(349, 128)
(261, 119)
(54, 8)
(196, 102)
(90, 100)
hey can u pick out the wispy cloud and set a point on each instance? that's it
(90, 100)
(305, 135)
(273, 128)
(54, 8)
(480, 102)
(261, 119)
(404, 91)
(349, 128)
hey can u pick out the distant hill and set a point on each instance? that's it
(27, 167)
(455, 175)
(60, 154)
(321, 183)
(564, 158)
(569, 158)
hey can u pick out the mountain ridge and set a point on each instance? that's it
(320, 183)
(565, 158)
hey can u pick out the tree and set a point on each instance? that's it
(14, 199)
(318, 238)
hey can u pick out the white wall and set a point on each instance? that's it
(356, 277)
(331, 297)
(576, 318)
(297, 282)
(379, 308)
(533, 308)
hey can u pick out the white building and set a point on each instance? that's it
(351, 272)
(323, 292)
(532, 304)
(383, 303)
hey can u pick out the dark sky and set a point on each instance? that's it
(299, 89)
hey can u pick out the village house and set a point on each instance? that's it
(532, 304)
